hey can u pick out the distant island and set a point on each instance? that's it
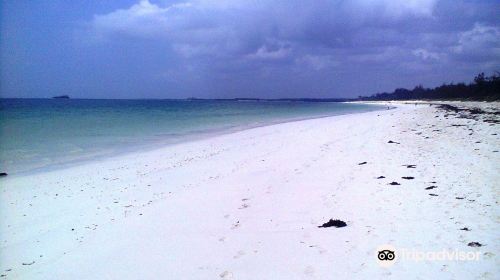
(61, 97)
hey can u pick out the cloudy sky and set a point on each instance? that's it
(240, 48)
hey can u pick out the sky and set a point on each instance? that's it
(242, 48)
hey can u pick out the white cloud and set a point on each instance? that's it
(267, 53)
(319, 35)
(146, 19)
(480, 37)
(425, 54)
(143, 19)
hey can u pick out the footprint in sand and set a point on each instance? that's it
(226, 275)
(489, 255)
(239, 254)
(309, 271)
(244, 205)
(236, 225)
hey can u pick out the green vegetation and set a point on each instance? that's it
(483, 88)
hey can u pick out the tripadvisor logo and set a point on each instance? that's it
(386, 255)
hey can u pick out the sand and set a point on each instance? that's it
(247, 205)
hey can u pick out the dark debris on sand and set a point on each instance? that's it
(408, 178)
(362, 163)
(394, 184)
(410, 165)
(3, 174)
(433, 194)
(475, 244)
(380, 177)
(465, 228)
(333, 223)
(472, 113)
(431, 187)
(392, 142)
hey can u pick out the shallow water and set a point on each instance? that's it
(37, 133)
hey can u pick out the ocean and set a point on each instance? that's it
(47, 133)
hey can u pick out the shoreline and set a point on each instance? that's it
(152, 145)
(248, 205)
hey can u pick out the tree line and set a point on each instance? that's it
(486, 88)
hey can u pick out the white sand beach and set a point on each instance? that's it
(247, 205)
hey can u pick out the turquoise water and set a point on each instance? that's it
(39, 133)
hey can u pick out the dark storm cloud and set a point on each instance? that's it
(227, 48)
